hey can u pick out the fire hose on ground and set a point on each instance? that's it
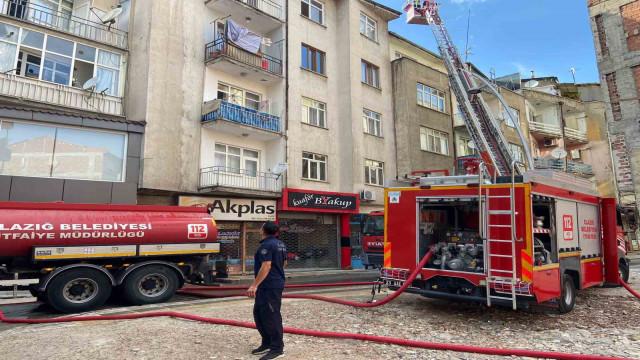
(326, 334)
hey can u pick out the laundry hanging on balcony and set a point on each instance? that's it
(242, 37)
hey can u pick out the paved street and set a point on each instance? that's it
(604, 322)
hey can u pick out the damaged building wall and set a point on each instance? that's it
(616, 31)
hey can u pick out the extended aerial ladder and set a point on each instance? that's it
(497, 158)
(480, 122)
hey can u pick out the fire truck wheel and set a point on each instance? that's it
(568, 297)
(623, 270)
(78, 290)
(150, 285)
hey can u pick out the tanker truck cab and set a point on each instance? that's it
(76, 255)
(524, 240)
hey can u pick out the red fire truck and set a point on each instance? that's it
(521, 240)
(74, 255)
(372, 240)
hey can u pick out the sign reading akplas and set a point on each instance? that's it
(230, 209)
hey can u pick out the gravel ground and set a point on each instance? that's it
(604, 322)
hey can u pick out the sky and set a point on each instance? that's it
(547, 36)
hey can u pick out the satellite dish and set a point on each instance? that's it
(279, 168)
(90, 85)
(559, 153)
(471, 144)
(111, 16)
(531, 84)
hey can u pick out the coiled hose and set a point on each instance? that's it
(335, 335)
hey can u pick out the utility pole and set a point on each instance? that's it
(564, 137)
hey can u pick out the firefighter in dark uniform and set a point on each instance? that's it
(270, 261)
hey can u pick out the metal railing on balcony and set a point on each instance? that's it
(558, 164)
(224, 47)
(218, 109)
(40, 15)
(266, 6)
(580, 168)
(574, 134)
(239, 178)
(55, 94)
(549, 129)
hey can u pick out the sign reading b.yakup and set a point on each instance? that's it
(322, 201)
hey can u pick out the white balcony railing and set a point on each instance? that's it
(266, 6)
(548, 129)
(239, 178)
(44, 92)
(43, 16)
(574, 134)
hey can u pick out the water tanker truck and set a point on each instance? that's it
(75, 255)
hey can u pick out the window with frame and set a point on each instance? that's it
(518, 152)
(60, 61)
(64, 152)
(370, 74)
(368, 27)
(236, 160)
(313, 59)
(314, 167)
(516, 114)
(372, 122)
(314, 113)
(434, 141)
(313, 10)
(431, 98)
(576, 154)
(463, 147)
(373, 172)
(234, 95)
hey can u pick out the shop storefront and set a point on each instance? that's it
(239, 222)
(315, 227)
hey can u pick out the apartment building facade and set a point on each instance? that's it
(614, 24)
(340, 132)
(64, 130)
(423, 109)
(209, 79)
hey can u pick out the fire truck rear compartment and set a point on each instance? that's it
(450, 227)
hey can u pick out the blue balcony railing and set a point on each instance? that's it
(558, 164)
(243, 115)
(580, 168)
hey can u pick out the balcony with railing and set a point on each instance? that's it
(25, 88)
(216, 177)
(581, 169)
(268, 7)
(575, 136)
(544, 129)
(64, 22)
(265, 15)
(224, 116)
(223, 49)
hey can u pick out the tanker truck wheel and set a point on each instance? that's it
(78, 290)
(150, 285)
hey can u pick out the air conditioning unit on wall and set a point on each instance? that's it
(367, 195)
(550, 142)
